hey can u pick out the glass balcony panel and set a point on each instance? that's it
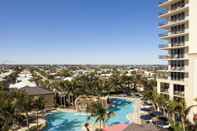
(162, 1)
(163, 45)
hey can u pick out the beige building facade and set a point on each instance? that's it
(179, 40)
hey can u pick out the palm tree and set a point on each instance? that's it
(2, 85)
(38, 105)
(115, 80)
(7, 110)
(181, 107)
(99, 112)
(171, 107)
(187, 112)
(25, 104)
(161, 102)
(126, 82)
(153, 97)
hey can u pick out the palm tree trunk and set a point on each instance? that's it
(103, 123)
(64, 102)
(183, 123)
(27, 120)
(37, 120)
(60, 100)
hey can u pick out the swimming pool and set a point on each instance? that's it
(67, 121)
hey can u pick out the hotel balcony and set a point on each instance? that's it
(162, 35)
(179, 90)
(164, 88)
(170, 47)
(166, 25)
(167, 13)
(168, 35)
(164, 73)
(164, 46)
(164, 57)
(166, 92)
(164, 3)
(173, 57)
(179, 93)
(164, 76)
(178, 69)
(167, 3)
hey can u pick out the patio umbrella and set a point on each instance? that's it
(146, 117)
(118, 127)
(157, 113)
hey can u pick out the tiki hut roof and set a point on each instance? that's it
(36, 91)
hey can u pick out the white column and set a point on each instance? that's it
(171, 91)
(158, 87)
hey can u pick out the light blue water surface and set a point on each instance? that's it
(66, 121)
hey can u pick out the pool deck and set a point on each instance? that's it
(134, 116)
(41, 122)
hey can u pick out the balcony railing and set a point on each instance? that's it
(177, 68)
(163, 23)
(179, 7)
(162, 1)
(162, 12)
(178, 44)
(163, 46)
(163, 34)
(178, 32)
(164, 90)
(164, 57)
(179, 93)
(178, 19)
(172, 33)
(176, 56)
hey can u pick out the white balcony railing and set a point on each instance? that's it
(166, 24)
(178, 9)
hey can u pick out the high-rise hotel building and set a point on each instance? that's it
(178, 21)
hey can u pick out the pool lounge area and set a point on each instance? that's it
(74, 121)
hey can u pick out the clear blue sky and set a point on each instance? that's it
(79, 31)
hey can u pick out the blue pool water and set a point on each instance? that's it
(66, 121)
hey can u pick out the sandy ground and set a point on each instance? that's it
(40, 122)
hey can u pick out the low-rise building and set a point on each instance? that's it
(47, 95)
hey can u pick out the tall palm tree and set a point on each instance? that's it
(171, 107)
(153, 97)
(100, 113)
(38, 105)
(181, 107)
(7, 110)
(187, 112)
(161, 102)
(126, 82)
(25, 104)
